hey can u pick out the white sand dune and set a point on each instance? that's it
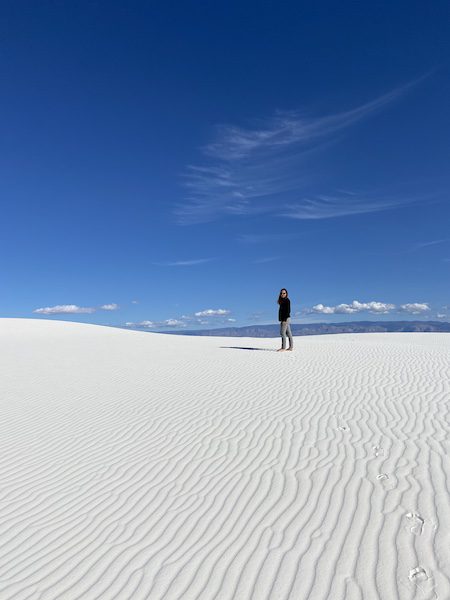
(150, 466)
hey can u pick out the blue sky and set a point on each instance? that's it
(173, 165)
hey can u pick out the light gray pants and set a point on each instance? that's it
(285, 328)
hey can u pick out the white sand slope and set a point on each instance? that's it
(148, 466)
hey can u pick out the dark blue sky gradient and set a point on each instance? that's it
(107, 106)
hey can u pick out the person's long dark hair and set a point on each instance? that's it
(279, 297)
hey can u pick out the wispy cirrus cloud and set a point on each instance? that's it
(261, 261)
(259, 170)
(432, 243)
(421, 245)
(290, 127)
(340, 205)
(183, 263)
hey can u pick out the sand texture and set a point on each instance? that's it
(149, 466)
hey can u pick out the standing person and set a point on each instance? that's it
(284, 316)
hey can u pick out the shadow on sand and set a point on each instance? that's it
(249, 348)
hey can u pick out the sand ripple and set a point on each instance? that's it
(143, 466)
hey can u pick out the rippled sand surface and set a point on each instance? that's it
(150, 466)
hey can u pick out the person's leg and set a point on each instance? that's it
(289, 333)
(283, 334)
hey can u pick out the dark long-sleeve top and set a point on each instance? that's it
(284, 312)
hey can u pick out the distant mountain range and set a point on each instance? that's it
(263, 331)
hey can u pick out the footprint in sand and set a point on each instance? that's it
(418, 574)
(342, 428)
(377, 450)
(416, 522)
(382, 476)
(424, 582)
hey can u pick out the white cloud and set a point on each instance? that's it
(174, 323)
(109, 307)
(210, 312)
(354, 307)
(135, 302)
(291, 127)
(441, 316)
(329, 206)
(184, 263)
(157, 324)
(63, 309)
(320, 308)
(431, 243)
(375, 307)
(141, 324)
(415, 308)
(262, 170)
(372, 307)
